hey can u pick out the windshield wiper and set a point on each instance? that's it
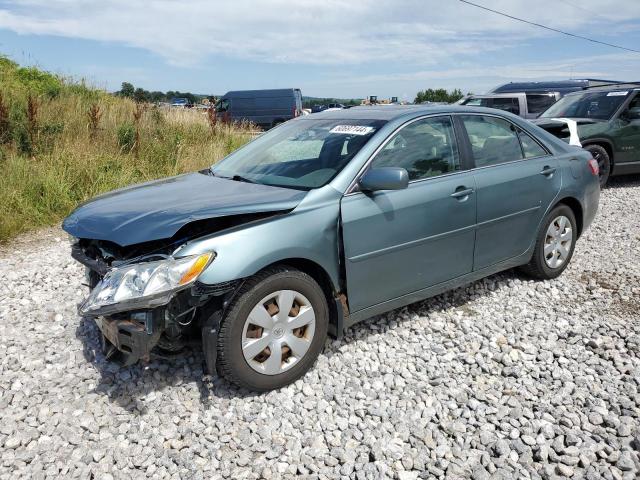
(236, 178)
(240, 178)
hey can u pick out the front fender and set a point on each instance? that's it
(309, 232)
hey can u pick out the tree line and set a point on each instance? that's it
(141, 95)
(127, 90)
(439, 95)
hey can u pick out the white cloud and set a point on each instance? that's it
(320, 32)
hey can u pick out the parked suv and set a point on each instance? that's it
(525, 105)
(322, 222)
(530, 99)
(608, 126)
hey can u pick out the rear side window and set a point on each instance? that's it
(530, 147)
(539, 102)
(425, 148)
(493, 140)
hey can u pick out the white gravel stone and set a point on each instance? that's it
(505, 378)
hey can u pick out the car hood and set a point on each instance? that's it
(157, 210)
(549, 123)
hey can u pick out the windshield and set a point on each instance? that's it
(303, 154)
(598, 105)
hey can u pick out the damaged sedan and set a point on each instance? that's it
(322, 222)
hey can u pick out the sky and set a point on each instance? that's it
(332, 48)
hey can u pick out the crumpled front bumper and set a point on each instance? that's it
(130, 338)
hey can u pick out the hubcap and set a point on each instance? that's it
(278, 332)
(557, 243)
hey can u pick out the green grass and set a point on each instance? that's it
(52, 160)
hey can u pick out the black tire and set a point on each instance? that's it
(537, 266)
(231, 362)
(600, 155)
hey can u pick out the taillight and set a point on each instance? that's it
(295, 112)
(593, 166)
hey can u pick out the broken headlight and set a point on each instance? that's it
(128, 283)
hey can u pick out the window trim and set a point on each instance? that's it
(353, 186)
(517, 127)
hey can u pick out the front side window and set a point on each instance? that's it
(302, 154)
(508, 104)
(634, 107)
(539, 102)
(425, 148)
(493, 140)
(222, 105)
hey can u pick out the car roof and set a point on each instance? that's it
(551, 85)
(391, 112)
(502, 95)
(610, 88)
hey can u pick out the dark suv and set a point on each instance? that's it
(608, 125)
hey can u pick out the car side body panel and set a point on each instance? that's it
(313, 230)
(309, 232)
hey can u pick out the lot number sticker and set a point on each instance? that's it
(352, 129)
(617, 94)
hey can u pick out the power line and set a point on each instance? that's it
(580, 7)
(549, 28)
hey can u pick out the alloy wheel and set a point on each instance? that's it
(278, 332)
(603, 167)
(558, 241)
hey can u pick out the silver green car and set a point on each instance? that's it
(322, 222)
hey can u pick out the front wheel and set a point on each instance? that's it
(274, 331)
(555, 244)
(601, 156)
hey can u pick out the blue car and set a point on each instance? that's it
(323, 222)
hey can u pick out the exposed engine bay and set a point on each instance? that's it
(189, 317)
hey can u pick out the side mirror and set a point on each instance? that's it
(384, 178)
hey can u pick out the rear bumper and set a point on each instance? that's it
(590, 203)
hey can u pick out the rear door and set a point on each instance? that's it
(399, 242)
(516, 180)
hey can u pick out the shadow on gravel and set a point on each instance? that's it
(457, 298)
(625, 181)
(135, 387)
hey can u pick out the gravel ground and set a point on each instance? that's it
(507, 378)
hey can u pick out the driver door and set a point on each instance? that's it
(628, 136)
(402, 241)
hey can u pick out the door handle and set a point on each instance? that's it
(547, 171)
(462, 192)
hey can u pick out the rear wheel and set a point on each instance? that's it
(274, 331)
(554, 245)
(600, 155)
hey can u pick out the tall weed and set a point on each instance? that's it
(81, 150)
